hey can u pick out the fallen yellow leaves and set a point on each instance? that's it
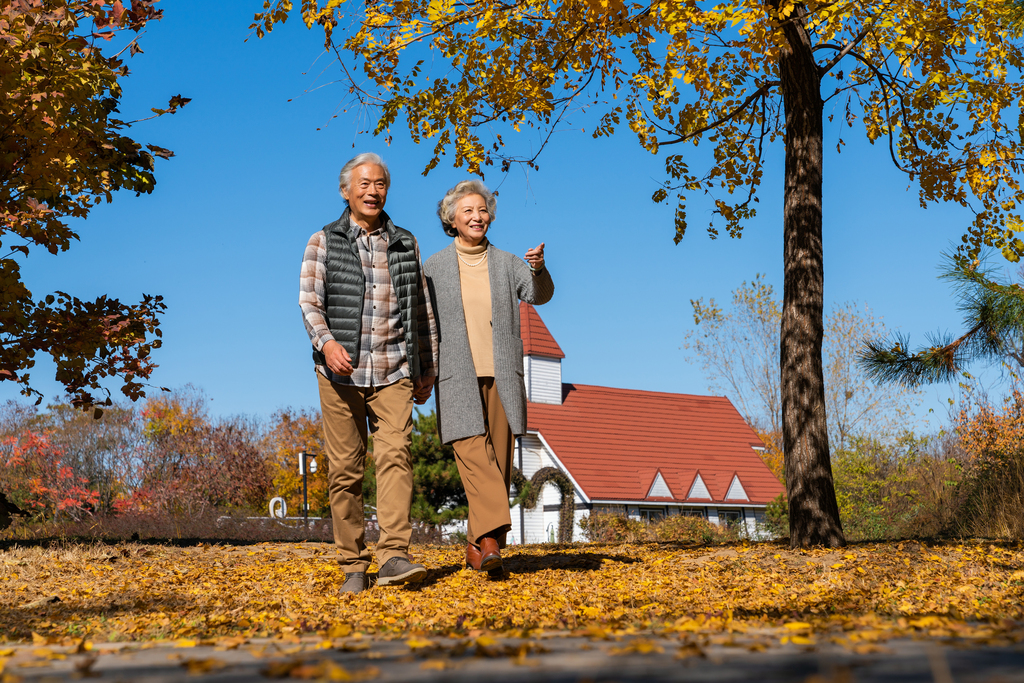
(202, 666)
(420, 644)
(323, 670)
(224, 595)
(641, 646)
(435, 665)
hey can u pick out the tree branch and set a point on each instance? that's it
(845, 50)
(760, 92)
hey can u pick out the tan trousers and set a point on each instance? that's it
(346, 412)
(485, 465)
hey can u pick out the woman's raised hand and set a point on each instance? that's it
(535, 257)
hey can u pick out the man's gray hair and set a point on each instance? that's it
(345, 177)
(446, 207)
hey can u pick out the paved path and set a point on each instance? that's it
(568, 659)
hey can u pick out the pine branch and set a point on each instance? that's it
(993, 313)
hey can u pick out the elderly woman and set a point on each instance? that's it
(481, 398)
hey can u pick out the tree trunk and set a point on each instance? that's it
(813, 511)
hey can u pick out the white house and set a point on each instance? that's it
(643, 453)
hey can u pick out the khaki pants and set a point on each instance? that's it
(346, 411)
(485, 465)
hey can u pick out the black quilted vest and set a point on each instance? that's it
(344, 288)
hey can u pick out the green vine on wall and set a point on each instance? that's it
(528, 493)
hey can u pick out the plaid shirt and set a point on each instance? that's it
(382, 349)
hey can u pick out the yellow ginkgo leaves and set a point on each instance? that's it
(224, 595)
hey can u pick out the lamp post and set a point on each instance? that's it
(305, 469)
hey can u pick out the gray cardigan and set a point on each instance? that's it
(459, 409)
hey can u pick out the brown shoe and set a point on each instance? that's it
(472, 557)
(490, 556)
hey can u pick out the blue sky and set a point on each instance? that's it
(255, 175)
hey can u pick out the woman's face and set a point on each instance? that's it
(471, 220)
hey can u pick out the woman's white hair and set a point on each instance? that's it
(345, 177)
(446, 207)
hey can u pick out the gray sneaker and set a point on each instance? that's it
(355, 582)
(399, 570)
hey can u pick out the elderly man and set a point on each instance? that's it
(369, 318)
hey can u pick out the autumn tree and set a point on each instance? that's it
(737, 348)
(193, 464)
(104, 452)
(993, 309)
(37, 474)
(63, 461)
(936, 83)
(63, 151)
(289, 433)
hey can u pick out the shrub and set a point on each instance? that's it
(993, 483)
(776, 516)
(685, 528)
(603, 527)
(210, 525)
(909, 488)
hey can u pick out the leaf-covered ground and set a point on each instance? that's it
(761, 592)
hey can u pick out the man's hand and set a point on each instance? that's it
(535, 257)
(423, 387)
(338, 360)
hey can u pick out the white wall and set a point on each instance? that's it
(543, 377)
(713, 515)
(533, 458)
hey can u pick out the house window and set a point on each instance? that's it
(694, 512)
(652, 514)
(730, 517)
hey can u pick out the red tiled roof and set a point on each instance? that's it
(537, 341)
(615, 441)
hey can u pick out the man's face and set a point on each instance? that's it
(366, 193)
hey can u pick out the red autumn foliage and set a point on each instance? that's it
(166, 458)
(36, 471)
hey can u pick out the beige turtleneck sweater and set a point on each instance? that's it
(476, 304)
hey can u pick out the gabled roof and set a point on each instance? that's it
(659, 488)
(537, 341)
(616, 441)
(698, 489)
(736, 491)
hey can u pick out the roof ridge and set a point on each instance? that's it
(674, 394)
(537, 339)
